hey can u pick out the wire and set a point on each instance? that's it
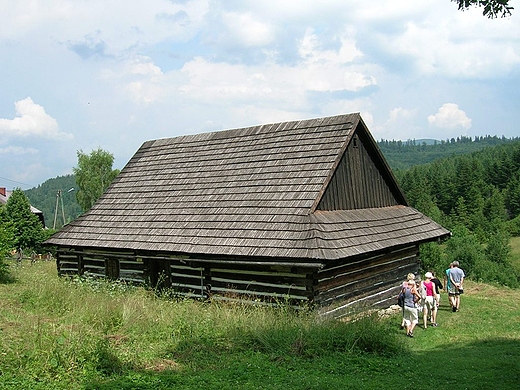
(14, 182)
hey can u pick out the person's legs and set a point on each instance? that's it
(453, 303)
(425, 316)
(414, 319)
(457, 302)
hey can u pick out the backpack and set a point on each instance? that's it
(400, 299)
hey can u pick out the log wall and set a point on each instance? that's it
(371, 282)
(336, 289)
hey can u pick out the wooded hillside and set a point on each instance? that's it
(406, 154)
(477, 197)
(45, 198)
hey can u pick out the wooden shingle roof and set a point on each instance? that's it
(243, 192)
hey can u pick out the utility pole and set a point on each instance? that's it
(59, 196)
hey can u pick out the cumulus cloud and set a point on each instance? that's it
(139, 78)
(317, 70)
(450, 116)
(31, 120)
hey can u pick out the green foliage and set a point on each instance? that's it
(474, 195)
(513, 226)
(491, 8)
(465, 248)
(498, 273)
(28, 230)
(403, 155)
(44, 197)
(498, 249)
(7, 242)
(94, 174)
(513, 194)
(432, 258)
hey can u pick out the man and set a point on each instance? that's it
(456, 277)
(447, 283)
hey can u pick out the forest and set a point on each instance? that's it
(470, 186)
(477, 197)
(405, 154)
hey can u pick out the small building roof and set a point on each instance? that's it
(252, 191)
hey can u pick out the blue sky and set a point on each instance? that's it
(82, 75)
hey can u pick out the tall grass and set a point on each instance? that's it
(54, 328)
(59, 333)
(515, 252)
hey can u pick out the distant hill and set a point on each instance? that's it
(406, 154)
(44, 197)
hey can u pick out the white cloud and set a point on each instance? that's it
(450, 116)
(310, 49)
(31, 120)
(330, 70)
(459, 45)
(317, 70)
(17, 151)
(120, 24)
(138, 78)
(400, 125)
(247, 30)
(123, 71)
(400, 113)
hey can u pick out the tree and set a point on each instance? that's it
(498, 249)
(465, 248)
(492, 8)
(6, 242)
(431, 257)
(513, 196)
(28, 230)
(94, 174)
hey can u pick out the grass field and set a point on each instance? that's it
(515, 251)
(62, 334)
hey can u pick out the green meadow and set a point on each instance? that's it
(60, 333)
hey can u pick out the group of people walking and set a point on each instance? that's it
(424, 297)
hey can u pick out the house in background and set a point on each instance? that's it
(4, 196)
(307, 211)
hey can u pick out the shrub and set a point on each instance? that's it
(498, 273)
(465, 248)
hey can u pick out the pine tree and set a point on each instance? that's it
(27, 227)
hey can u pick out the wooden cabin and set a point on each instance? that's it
(305, 211)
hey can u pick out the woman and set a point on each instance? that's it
(430, 305)
(411, 296)
(405, 283)
(438, 289)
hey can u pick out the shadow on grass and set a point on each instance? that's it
(492, 363)
(485, 364)
(5, 276)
